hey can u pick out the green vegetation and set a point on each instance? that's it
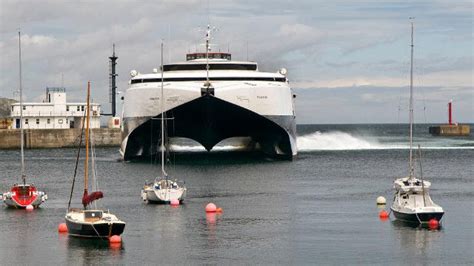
(5, 106)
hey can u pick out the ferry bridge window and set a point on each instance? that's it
(24, 107)
(26, 121)
(67, 108)
(78, 108)
(183, 67)
(48, 121)
(37, 121)
(82, 108)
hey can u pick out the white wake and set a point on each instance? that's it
(336, 140)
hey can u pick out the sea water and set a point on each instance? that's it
(318, 209)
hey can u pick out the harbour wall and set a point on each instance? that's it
(450, 130)
(57, 138)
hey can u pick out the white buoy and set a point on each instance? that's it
(29, 207)
(381, 200)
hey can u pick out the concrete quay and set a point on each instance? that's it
(57, 138)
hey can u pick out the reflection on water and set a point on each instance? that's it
(89, 251)
(416, 239)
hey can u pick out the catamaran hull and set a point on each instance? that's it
(423, 217)
(209, 120)
(94, 230)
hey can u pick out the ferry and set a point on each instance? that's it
(210, 98)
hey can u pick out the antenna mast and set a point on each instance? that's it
(112, 77)
(208, 37)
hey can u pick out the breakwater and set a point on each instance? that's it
(57, 138)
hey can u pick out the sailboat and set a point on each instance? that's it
(412, 202)
(22, 195)
(86, 221)
(163, 189)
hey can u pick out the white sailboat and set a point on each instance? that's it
(163, 189)
(22, 195)
(412, 202)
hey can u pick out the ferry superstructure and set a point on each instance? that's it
(210, 98)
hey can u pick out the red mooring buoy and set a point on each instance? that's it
(62, 228)
(433, 224)
(115, 239)
(211, 207)
(383, 215)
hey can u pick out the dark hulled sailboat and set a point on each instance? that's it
(90, 222)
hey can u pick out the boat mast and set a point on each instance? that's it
(86, 169)
(23, 176)
(208, 37)
(411, 103)
(162, 118)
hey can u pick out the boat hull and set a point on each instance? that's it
(14, 204)
(163, 196)
(424, 217)
(209, 120)
(94, 230)
(21, 196)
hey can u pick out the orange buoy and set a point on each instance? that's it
(383, 215)
(174, 202)
(62, 228)
(30, 208)
(433, 224)
(219, 210)
(211, 207)
(115, 239)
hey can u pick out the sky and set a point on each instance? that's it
(348, 61)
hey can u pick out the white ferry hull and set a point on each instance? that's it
(264, 113)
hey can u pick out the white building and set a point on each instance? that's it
(54, 112)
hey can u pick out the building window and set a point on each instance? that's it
(78, 108)
(26, 121)
(37, 121)
(48, 121)
(82, 108)
(67, 108)
(60, 121)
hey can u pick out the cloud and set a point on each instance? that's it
(338, 44)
